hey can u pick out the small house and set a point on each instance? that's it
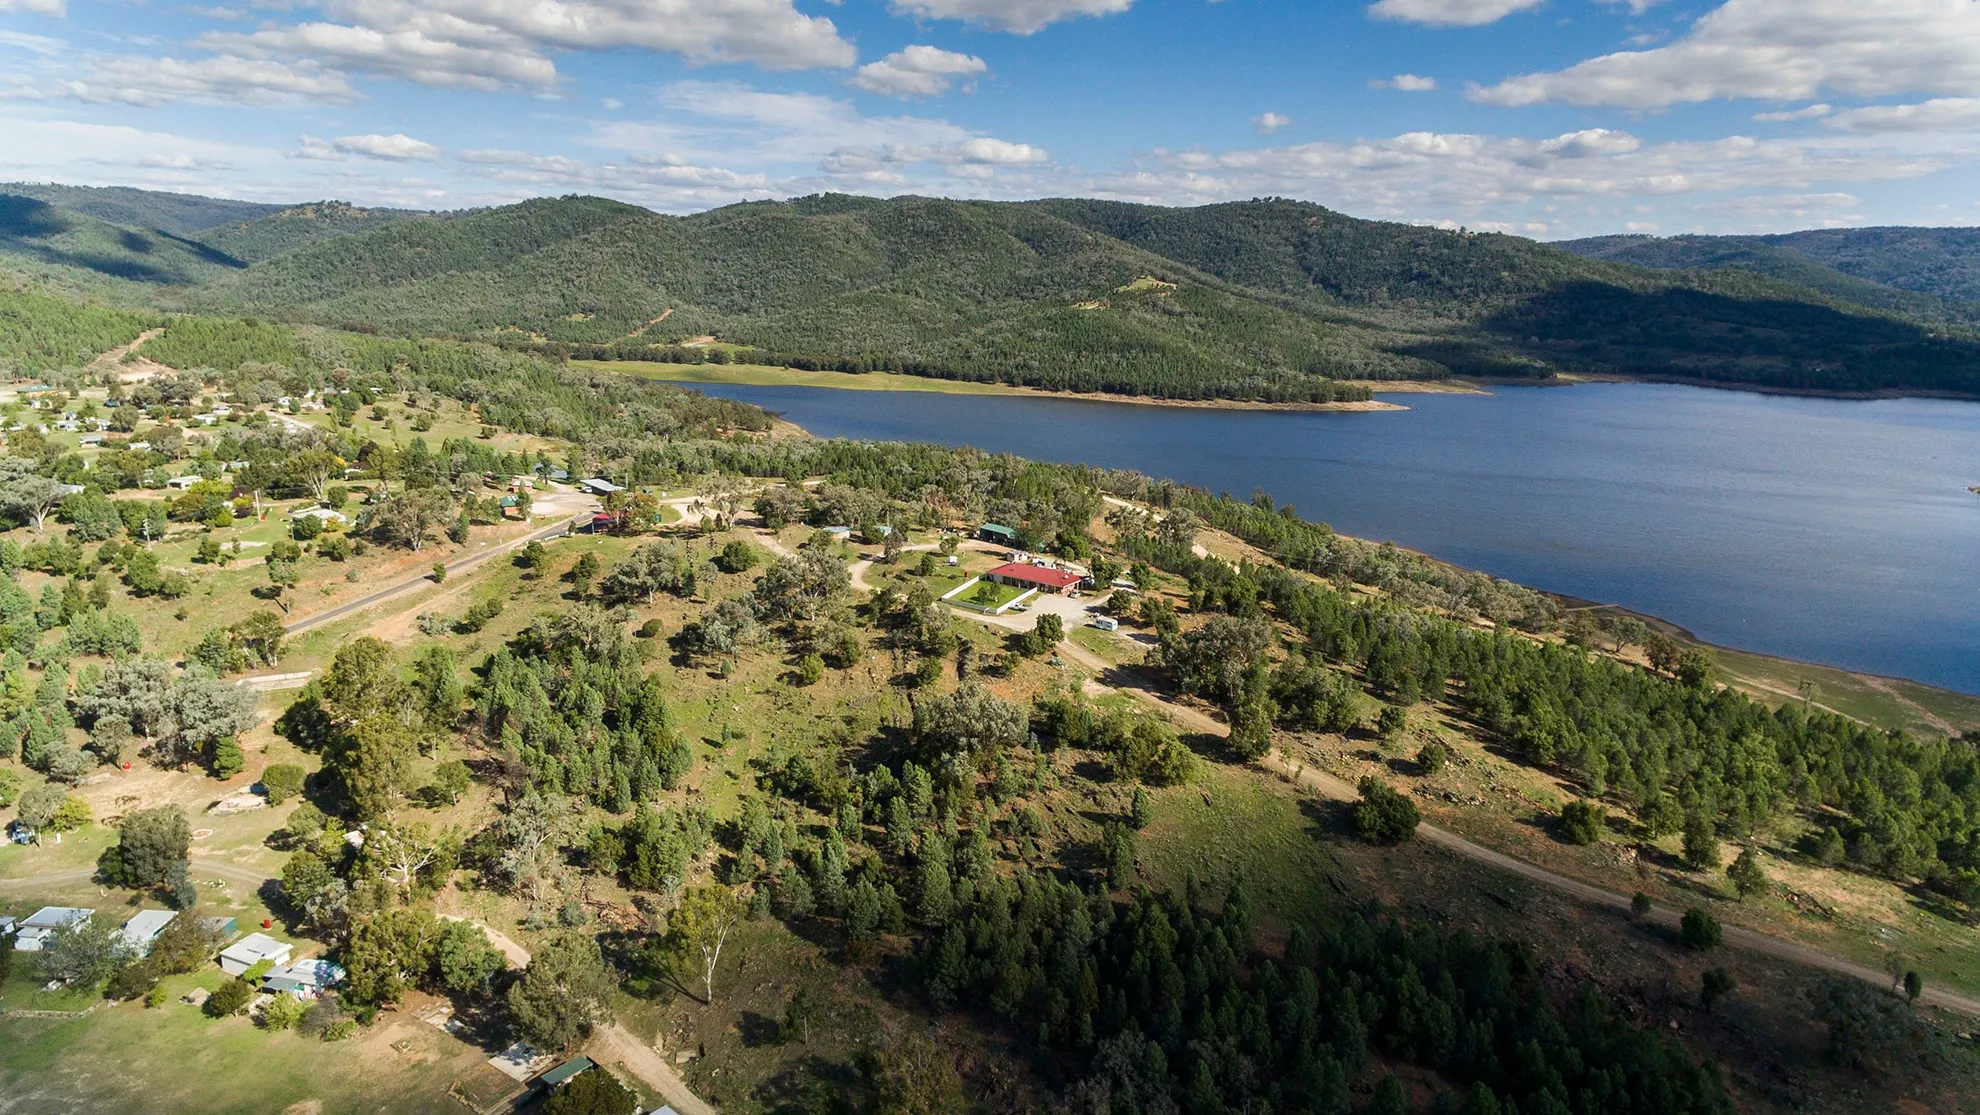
(6, 927)
(143, 929)
(997, 534)
(67, 490)
(321, 514)
(91, 439)
(563, 1074)
(182, 483)
(253, 949)
(599, 486)
(36, 929)
(305, 979)
(1036, 577)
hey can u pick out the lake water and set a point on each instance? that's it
(1827, 530)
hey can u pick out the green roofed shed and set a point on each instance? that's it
(561, 1075)
(997, 532)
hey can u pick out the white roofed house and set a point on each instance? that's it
(253, 949)
(139, 933)
(36, 929)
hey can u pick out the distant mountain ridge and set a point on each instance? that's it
(1268, 299)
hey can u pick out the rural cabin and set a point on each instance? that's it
(143, 929)
(563, 1074)
(1018, 575)
(321, 514)
(997, 533)
(305, 979)
(599, 486)
(38, 927)
(253, 949)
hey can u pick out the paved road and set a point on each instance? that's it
(306, 623)
(1136, 685)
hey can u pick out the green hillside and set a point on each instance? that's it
(77, 251)
(1271, 299)
(178, 214)
(41, 334)
(1762, 256)
(271, 234)
(1944, 262)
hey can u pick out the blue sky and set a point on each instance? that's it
(1552, 118)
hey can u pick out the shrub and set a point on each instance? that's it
(1383, 816)
(282, 1012)
(341, 1030)
(810, 669)
(737, 557)
(1582, 822)
(1433, 756)
(651, 629)
(227, 757)
(229, 999)
(71, 815)
(1700, 931)
(1393, 720)
(282, 781)
(1639, 904)
(1715, 985)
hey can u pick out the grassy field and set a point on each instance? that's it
(1885, 702)
(173, 1058)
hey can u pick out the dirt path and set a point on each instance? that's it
(307, 623)
(1129, 682)
(615, 1043)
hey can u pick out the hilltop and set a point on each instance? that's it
(1264, 300)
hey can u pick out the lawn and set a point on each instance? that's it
(988, 596)
(174, 1058)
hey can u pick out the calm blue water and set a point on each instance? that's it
(1827, 530)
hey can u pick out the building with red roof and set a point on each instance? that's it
(1037, 577)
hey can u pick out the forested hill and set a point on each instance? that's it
(1270, 299)
(1924, 271)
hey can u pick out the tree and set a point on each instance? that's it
(39, 806)
(31, 498)
(737, 556)
(282, 1013)
(1714, 985)
(801, 587)
(84, 954)
(1745, 872)
(466, 961)
(1582, 822)
(304, 877)
(565, 991)
(1700, 931)
(389, 953)
(1142, 812)
(700, 927)
(1701, 841)
(1214, 659)
(968, 723)
(1383, 816)
(583, 572)
(1639, 905)
(281, 781)
(910, 1075)
(1914, 985)
(451, 779)
(229, 999)
(409, 519)
(150, 843)
(591, 1092)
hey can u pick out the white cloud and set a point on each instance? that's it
(488, 44)
(1946, 114)
(1827, 209)
(1809, 112)
(1779, 50)
(918, 71)
(1450, 13)
(1407, 83)
(151, 82)
(398, 147)
(1477, 180)
(1021, 17)
(43, 7)
(1266, 123)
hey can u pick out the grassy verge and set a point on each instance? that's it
(757, 375)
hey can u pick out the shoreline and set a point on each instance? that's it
(759, 375)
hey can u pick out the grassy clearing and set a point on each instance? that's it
(1884, 702)
(174, 1058)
